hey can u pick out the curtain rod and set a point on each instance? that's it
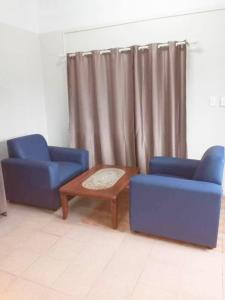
(125, 49)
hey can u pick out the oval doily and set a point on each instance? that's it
(103, 179)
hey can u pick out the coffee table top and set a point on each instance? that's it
(75, 187)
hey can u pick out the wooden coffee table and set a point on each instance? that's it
(75, 188)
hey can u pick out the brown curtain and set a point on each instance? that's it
(126, 107)
(160, 102)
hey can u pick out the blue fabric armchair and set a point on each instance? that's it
(34, 171)
(180, 198)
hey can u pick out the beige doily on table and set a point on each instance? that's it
(103, 179)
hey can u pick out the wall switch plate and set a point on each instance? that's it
(213, 101)
(222, 101)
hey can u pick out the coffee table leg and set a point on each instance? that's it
(65, 206)
(114, 213)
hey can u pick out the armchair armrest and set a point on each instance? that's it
(176, 186)
(70, 155)
(173, 166)
(44, 174)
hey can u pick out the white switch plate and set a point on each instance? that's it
(222, 101)
(213, 101)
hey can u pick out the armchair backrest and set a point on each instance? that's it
(211, 165)
(32, 146)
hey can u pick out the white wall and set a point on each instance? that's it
(20, 13)
(54, 75)
(66, 14)
(22, 103)
(206, 70)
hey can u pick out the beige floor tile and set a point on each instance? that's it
(96, 235)
(40, 242)
(51, 294)
(118, 284)
(187, 296)
(34, 214)
(73, 260)
(169, 252)
(23, 290)
(5, 280)
(32, 225)
(40, 217)
(202, 259)
(29, 214)
(45, 270)
(122, 272)
(17, 237)
(18, 261)
(4, 250)
(109, 294)
(66, 249)
(8, 224)
(57, 227)
(150, 292)
(161, 275)
(201, 283)
(85, 269)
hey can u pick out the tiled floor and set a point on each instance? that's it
(43, 257)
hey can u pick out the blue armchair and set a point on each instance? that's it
(34, 171)
(180, 198)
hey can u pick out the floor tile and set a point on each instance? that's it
(17, 237)
(50, 294)
(70, 259)
(202, 259)
(40, 242)
(122, 272)
(150, 292)
(189, 296)
(80, 276)
(57, 227)
(45, 270)
(161, 275)
(202, 284)
(4, 250)
(8, 224)
(23, 290)
(95, 235)
(18, 261)
(5, 280)
(169, 252)
(66, 249)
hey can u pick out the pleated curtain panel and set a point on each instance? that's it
(127, 106)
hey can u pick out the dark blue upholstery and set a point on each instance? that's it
(68, 154)
(29, 147)
(173, 166)
(177, 205)
(210, 167)
(34, 172)
(68, 170)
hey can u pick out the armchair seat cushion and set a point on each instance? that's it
(68, 170)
